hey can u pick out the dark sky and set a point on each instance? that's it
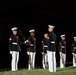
(37, 14)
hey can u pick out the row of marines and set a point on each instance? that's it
(48, 46)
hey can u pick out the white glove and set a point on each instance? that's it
(11, 52)
(26, 41)
(42, 53)
(47, 51)
(28, 52)
(60, 54)
(73, 54)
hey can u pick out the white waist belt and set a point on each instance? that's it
(62, 46)
(45, 46)
(52, 41)
(14, 43)
(74, 47)
(31, 44)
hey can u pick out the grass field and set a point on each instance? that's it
(65, 71)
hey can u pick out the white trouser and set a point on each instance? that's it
(32, 59)
(52, 61)
(62, 60)
(74, 60)
(45, 60)
(14, 62)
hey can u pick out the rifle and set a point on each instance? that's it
(22, 35)
(62, 56)
(74, 57)
(29, 56)
(28, 49)
(43, 56)
(63, 61)
(74, 54)
(29, 61)
(34, 45)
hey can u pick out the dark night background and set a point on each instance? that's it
(37, 14)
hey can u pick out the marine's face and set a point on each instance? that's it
(63, 38)
(46, 35)
(50, 29)
(14, 32)
(74, 39)
(32, 34)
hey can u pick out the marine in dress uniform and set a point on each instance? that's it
(14, 47)
(73, 48)
(52, 50)
(32, 47)
(45, 47)
(62, 51)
